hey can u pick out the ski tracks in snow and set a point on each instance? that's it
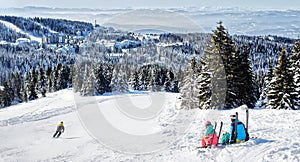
(39, 109)
(29, 117)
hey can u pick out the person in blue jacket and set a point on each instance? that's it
(241, 132)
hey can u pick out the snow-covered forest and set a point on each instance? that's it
(40, 55)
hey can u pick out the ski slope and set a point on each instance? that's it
(18, 30)
(26, 132)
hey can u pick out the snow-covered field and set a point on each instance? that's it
(26, 132)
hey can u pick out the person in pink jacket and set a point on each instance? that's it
(211, 138)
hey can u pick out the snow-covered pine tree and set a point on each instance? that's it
(204, 85)
(281, 94)
(175, 87)
(247, 87)
(49, 79)
(55, 79)
(144, 78)
(99, 80)
(119, 81)
(78, 77)
(64, 75)
(189, 89)
(211, 82)
(168, 81)
(7, 95)
(16, 82)
(295, 59)
(42, 82)
(134, 80)
(24, 88)
(88, 87)
(263, 99)
(153, 85)
(223, 46)
(32, 85)
(108, 71)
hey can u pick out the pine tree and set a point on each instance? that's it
(211, 81)
(204, 85)
(78, 77)
(32, 86)
(247, 87)
(7, 95)
(100, 80)
(64, 75)
(237, 68)
(16, 85)
(108, 71)
(42, 82)
(168, 81)
(265, 87)
(55, 79)
(49, 79)
(135, 80)
(295, 59)
(119, 80)
(281, 94)
(88, 86)
(189, 89)
(223, 46)
(24, 90)
(144, 78)
(153, 85)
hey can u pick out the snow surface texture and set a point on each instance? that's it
(26, 133)
(238, 20)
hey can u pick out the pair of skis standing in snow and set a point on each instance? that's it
(238, 133)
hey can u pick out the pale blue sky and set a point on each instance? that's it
(257, 4)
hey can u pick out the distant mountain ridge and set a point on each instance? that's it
(241, 21)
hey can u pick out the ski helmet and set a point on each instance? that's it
(232, 117)
(207, 123)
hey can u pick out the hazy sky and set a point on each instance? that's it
(257, 4)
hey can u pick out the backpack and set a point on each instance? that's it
(247, 136)
(225, 138)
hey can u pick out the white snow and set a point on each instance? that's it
(17, 29)
(26, 132)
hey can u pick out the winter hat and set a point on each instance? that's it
(232, 118)
(207, 123)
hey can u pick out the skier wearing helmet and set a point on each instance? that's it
(210, 138)
(240, 134)
(60, 129)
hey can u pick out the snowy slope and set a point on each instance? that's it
(26, 130)
(17, 29)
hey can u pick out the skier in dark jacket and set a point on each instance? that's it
(60, 129)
